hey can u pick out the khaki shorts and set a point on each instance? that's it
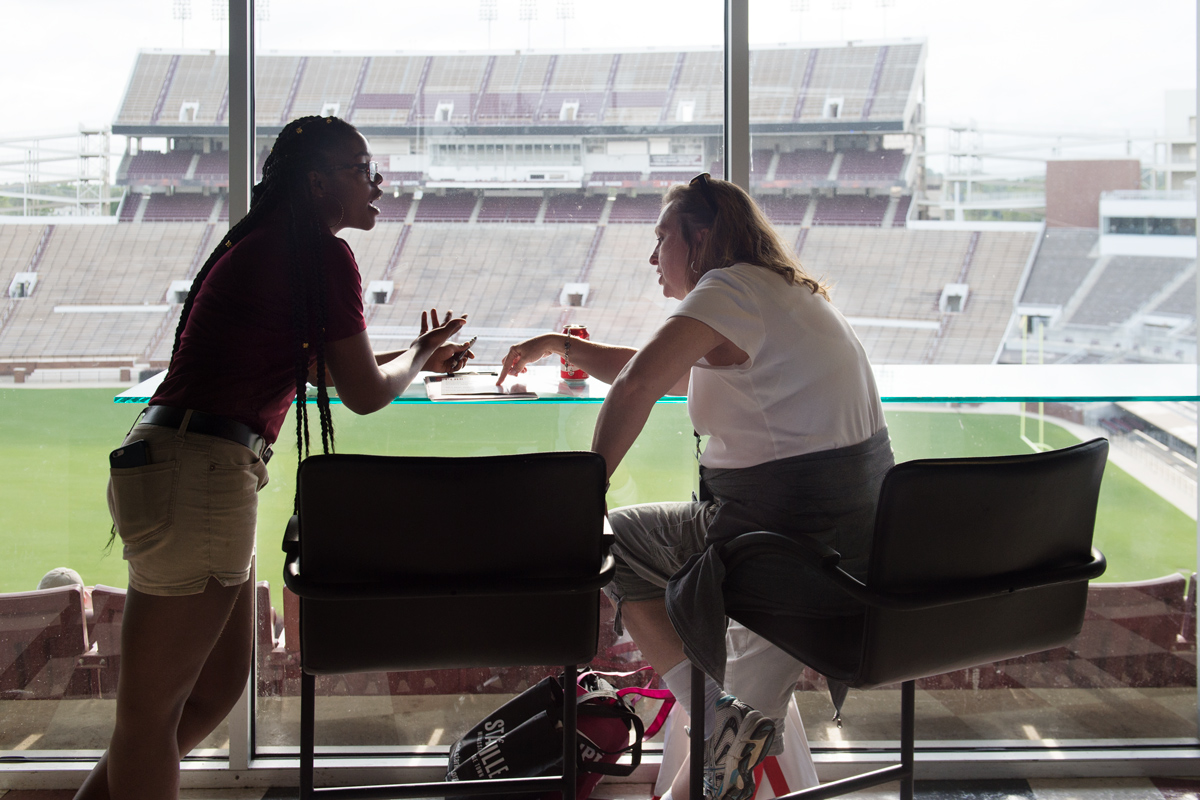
(653, 541)
(189, 514)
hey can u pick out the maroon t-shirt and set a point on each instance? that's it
(237, 354)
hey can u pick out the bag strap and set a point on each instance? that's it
(668, 702)
(634, 749)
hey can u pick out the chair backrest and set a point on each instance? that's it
(957, 521)
(108, 608)
(383, 520)
(42, 633)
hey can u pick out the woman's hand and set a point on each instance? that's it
(434, 333)
(524, 353)
(450, 357)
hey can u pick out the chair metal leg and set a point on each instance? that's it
(570, 729)
(696, 738)
(907, 736)
(308, 690)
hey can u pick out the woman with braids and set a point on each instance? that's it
(278, 303)
(798, 445)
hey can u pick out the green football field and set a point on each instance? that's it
(54, 445)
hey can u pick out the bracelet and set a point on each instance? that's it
(567, 348)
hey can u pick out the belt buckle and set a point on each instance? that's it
(266, 453)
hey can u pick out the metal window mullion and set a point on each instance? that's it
(241, 179)
(241, 107)
(737, 92)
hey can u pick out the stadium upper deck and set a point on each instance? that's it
(833, 89)
(610, 122)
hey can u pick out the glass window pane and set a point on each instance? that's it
(115, 176)
(966, 213)
(524, 154)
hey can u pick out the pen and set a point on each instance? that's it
(461, 358)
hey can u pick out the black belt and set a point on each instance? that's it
(209, 425)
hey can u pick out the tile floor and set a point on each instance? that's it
(1011, 789)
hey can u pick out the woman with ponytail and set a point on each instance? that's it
(278, 304)
(777, 379)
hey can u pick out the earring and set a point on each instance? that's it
(341, 211)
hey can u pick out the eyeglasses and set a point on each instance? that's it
(702, 182)
(369, 169)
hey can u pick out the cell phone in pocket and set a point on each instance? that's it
(134, 454)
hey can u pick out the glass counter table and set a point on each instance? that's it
(1129, 678)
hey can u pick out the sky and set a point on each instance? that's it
(1096, 67)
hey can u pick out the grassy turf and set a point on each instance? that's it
(53, 472)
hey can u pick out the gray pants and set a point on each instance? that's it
(652, 542)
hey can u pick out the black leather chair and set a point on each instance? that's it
(429, 563)
(974, 560)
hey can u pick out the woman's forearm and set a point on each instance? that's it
(602, 361)
(622, 417)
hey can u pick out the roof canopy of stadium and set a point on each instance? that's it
(849, 88)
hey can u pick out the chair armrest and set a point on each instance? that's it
(974, 589)
(412, 587)
(826, 558)
(291, 536)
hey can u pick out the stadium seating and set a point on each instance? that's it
(159, 169)
(575, 207)
(1125, 284)
(103, 660)
(880, 165)
(179, 208)
(129, 207)
(641, 209)
(447, 208)
(902, 211)
(43, 636)
(509, 209)
(1064, 257)
(760, 163)
(393, 208)
(212, 169)
(809, 165)
(784, 210)
(858, 210)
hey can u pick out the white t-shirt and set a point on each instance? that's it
(807, 385)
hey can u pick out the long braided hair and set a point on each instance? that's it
(304, 144)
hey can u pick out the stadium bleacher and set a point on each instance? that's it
(813, 165)
(640, 209)
(576, 207)
(151, 168)
(862, 165)
(509, 209)
(393, 208)
(857, 210)
(1124, 285)
(1065, 256)
(446, 208)
(179, 208)
(784, 210)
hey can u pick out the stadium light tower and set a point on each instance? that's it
(565, 10)
(527, 14)
(182, 11)
(489, 13)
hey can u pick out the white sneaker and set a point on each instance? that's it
(739, 742)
